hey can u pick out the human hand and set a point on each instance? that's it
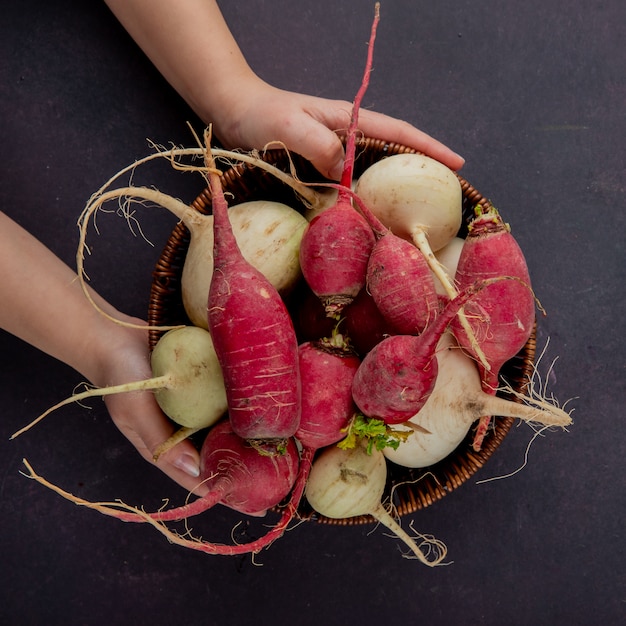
(137, 414)
(261, 114)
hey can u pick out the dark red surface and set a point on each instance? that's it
(533, 95)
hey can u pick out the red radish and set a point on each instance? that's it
(336, 244)
(239, 477)
(253, 335)
(397, 375)
(249, 478)
(327, 368)
(402, 285)
(502, 315)
(456, 402)
(365, 324)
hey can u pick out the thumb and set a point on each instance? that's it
(319, 145)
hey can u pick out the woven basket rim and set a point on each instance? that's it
(412, 489)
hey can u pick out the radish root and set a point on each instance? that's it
(121, 511)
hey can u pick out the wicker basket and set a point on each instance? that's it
(413, 489)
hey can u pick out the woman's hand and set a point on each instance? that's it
(261, 114)
(125, 357)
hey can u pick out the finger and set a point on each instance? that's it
(379, 126)
(316, 143)
(146, 427)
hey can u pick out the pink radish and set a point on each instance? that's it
(327, 368)
(336, 244)
(239, 476)
(253, 335)
(397, 375)
(247, 478)
(502, 315)
(402, 285)
(456, 402)
(364, 323)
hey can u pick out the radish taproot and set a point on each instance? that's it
(502, 316)
(253, 335)
(336, 243)
(346, 483)
(456, 402)
(248, 479)
(187, 382)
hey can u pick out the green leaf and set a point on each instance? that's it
(375, 431)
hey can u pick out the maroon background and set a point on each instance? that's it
(533, 95)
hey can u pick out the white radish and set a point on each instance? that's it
(187, 381)
(268, 235)
(448, 257)
(415, 196)
(346, 483)
(456, 402)
(421, 200)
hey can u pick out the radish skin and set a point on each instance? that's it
(253, 335)
(402, 285)
(327, 369)
(346, 483)
(502, 316)
(456, 402)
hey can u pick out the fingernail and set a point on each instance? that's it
(187, 464)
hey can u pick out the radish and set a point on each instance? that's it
(327, 368)
(253, 334)
(188, 383)
(336, 243)
(247, 479)
(502, 316)
(268, 234)
(456, 402)
(364, 324)
(402, 285)
(418, 198)
(398, 374)
(346, 483)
